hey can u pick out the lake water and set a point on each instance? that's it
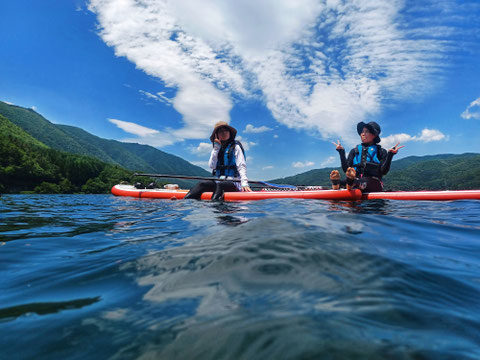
(95, 276)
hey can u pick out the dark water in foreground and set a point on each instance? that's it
(86, 276)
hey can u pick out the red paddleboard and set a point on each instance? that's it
(129, 190)
(424, 195)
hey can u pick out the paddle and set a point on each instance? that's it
(215, 179)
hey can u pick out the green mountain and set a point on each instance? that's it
(27, 164)
(135, 157)
(435, 172)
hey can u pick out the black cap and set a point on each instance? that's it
(373, 127)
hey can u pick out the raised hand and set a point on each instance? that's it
(338, 146)
(395, 149)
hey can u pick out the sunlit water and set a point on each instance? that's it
(95, 276)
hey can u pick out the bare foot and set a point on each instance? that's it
(350, 177)
(335, 179)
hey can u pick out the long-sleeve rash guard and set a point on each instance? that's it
(239, 161)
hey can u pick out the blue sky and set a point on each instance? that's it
(291, 76)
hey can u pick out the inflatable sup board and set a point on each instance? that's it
(130, 190)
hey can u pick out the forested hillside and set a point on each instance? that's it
(135, 157)
(29, 165)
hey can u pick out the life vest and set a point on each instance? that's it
(226, 165)
(366, 162)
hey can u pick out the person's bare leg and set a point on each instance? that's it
(335, 179)
(350, 177)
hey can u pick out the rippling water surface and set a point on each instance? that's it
(94, 276)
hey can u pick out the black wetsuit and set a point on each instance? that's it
(217, 187)
(362, 181)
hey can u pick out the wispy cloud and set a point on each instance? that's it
(268, 167)
(427, 135)
(250, 129)
(133, 128)
(144, 134)
(329, 161)
(158, 97)
(321, 66)
(300, 164)
(472, 111)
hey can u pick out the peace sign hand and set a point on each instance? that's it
(338, 146)
(395, 149)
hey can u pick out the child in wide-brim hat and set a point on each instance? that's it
(367, 163)
(218, 125)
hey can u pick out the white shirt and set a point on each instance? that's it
(239, 161)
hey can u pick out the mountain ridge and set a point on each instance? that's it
(131, 156)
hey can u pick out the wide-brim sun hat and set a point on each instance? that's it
(373, 127)
(218, 125)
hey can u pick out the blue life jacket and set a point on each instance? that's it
(226, 165)
(366, 162)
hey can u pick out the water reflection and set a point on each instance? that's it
(377, 206)
(226, 213)
(13, 312)
(255, 281)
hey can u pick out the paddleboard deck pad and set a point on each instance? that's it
(351, 195)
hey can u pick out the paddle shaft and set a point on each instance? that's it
(204, 178)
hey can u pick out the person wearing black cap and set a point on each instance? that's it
(367, 163)
(227, 160)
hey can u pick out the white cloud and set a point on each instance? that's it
(427, 135)
(391, 140)
(133, 128)
(202, 149)
(300, 164)
(268, 167)
(34, 108)
(144, 134)
(329, 161)
(275, 136)
(319, 66)
(250, 129)
(247, 145)
(472, 111)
